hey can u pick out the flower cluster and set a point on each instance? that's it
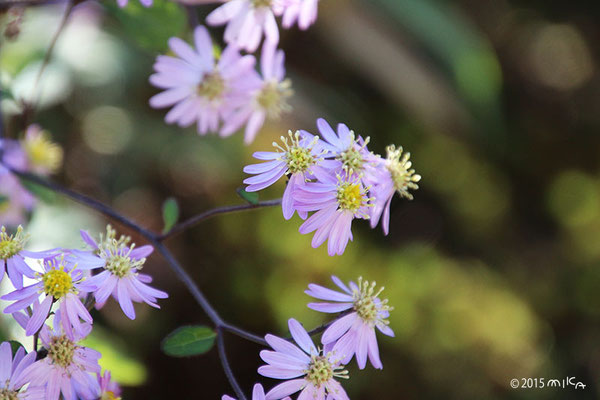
(223, 92)
(62, 288)
(36, 153)
(315, 371)
(337, 178)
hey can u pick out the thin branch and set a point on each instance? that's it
(215, 211)
(244, 334)
(192, 16)
(83, 199)
(189, 283)
(226, 367)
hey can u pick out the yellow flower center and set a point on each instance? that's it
(42, 152)
(400, 168)
(352, 159)
(61, 351)
(212, 86)
(117, 252)
(57, 283)
(273, 98)
(298, 158)
(11, 245)
(321, 370)
(367, 304)
(119, 265)
(109, 396)
(7, 394)
(261, 3)
(350, 196)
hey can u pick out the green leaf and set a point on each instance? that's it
(250, 197)
(14, 345)
(170, 214)
(3, 199)
(150, 27)
(42, 193)
(189, 341)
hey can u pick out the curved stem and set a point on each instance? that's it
(215, 211)
(244, 334)
(226, 367)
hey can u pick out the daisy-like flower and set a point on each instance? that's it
(11, 370)
(298, 158)
(201, 89)
(247, 20)
(349, 151)
(145, 3)
(12, 256)
(43, 156)
(337, 202)
(69, 368)
(258, 393)
(303, 12)
(311, 370)
(121, 263)
(61, 282)
(354, 333)
(268, 100)
(109, 389)
(393, 175)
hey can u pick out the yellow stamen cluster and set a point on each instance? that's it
(11, 245)
(61, 351)
(212, 86)
(298, 158)
(7, 394)
(261, 3)
(273, 98)
(352, 158)
(351, 196)
(117, 253)
(109, 396)
(42, 153)
(400, 168)
(367, 304)
(57, 283)
(321, 370)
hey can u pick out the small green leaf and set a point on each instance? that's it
(14, 345)
(250, 197)
(189, 341)
(3, 199)
(42, 193)
(170, 214)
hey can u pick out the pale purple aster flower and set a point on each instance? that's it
(314, 369)
(69, 368)
(337, 202)
(12, 256)
(200, 89)
(394, 174)
(121, 263)
(247, 20)
(258, 393)
(303, 12)
(109, 389)
(350, 152)
(145, 3)
(299, 157)
(61, 283)
(11, 369)
(268, 99)
(354, 333)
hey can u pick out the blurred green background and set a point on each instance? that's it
(493, 269)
